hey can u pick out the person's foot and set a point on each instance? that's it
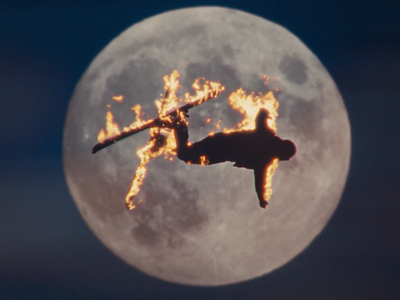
(263, 204)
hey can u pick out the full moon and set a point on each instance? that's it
(202, 225)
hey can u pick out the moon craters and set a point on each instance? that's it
(169, 214)
(294, 69)
(202, 225)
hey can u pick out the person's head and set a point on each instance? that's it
(286, 150)
(261, 118)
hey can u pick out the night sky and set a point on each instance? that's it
(46, 249)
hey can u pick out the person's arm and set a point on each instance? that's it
(181, 134)
(211, 150)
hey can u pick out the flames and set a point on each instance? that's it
(112, 128)
(145, 154)
(118, 98)
(248, 104)
(269, 175)
(162, 140)
(204, 160)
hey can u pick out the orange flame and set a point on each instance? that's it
(170, 101)
(118, 98)
(249, 104)
(204, 160)
(137, 109)
(269, 175)
(218, 124)
(112, 129)
(266, 78)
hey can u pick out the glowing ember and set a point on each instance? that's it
(204, 160)
(118, 98)
(266, 78)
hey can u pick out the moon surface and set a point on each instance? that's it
(203, 225)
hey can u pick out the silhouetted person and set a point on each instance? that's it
(250, 149)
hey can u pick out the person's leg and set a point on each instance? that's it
(211, 150)
(259, 184)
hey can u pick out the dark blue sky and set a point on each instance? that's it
(46, 249)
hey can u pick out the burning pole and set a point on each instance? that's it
(157, 121)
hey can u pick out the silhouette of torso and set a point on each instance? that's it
(248, 149)
(251, 149)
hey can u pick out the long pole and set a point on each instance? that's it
(153, 123)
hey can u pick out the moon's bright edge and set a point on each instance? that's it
(202, 225)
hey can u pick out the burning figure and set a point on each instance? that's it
(257, 149)
(250, 144)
